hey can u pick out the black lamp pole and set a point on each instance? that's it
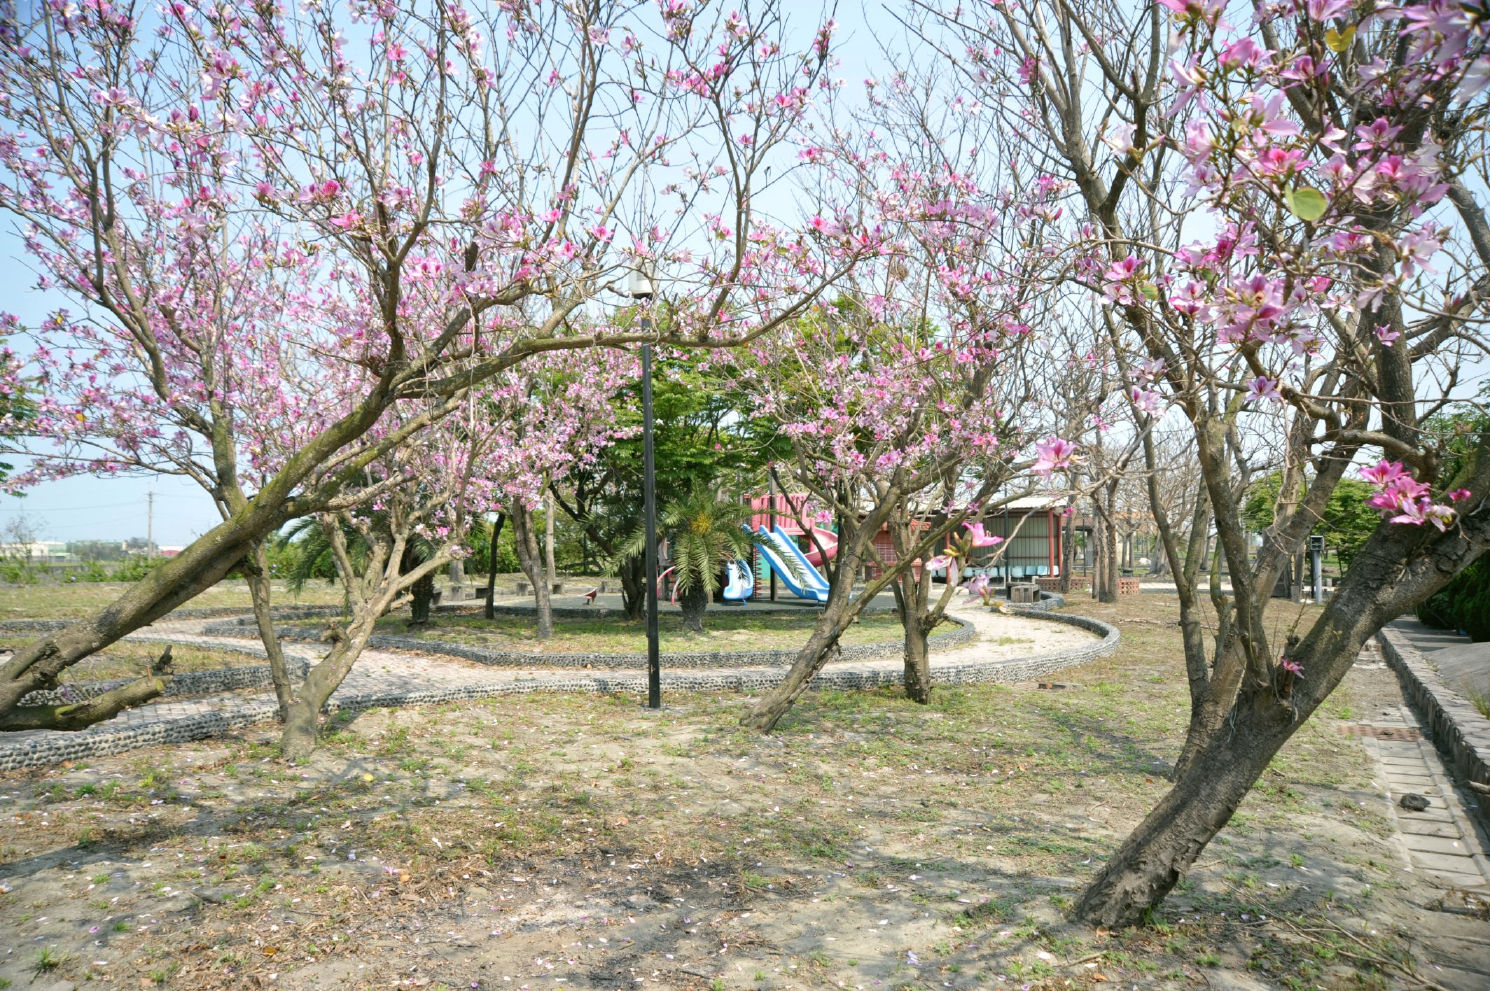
(649, 511)
(642, 289)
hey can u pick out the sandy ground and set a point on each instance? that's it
(558, 842)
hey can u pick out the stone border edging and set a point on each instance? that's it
(1460, 732)
(210, 682)
(44, 749)
(701, 659)
(218, 612)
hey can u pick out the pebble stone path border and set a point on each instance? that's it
(388, 678)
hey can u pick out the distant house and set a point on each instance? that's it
(1031, 528)
(35, 550)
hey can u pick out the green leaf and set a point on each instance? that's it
(1339, 41)
(1306, 203)
(1149, 290)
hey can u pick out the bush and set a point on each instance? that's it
(14, 571)
(136, 566)
(1463, 604)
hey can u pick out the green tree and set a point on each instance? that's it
(702, 437)
(703, 532)
(1464, 603)
(1346, 523)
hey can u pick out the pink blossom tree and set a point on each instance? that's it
(1266, 209)
(903, 401)
(229, 197)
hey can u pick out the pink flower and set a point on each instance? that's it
(981, 539)
(939, 562)
(1291, 666)
(1263, 387)
(1383, 472)
(1053, 453)
(1459, 494)
(347, 220)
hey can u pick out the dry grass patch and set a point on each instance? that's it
(869, 843)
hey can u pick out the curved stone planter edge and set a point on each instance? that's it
(1460, 732)
(104, 740)
(712, 659)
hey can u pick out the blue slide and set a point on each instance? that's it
(800, 577)
(739, 581)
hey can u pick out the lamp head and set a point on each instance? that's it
(641, 281)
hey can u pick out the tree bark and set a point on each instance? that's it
(1166, 844)
(80, 715)
(530, 556)
(259, 594)
(491, 570)
(917, 663)
(694, 603)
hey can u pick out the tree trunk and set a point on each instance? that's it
(821, 648)
(302, 725)
(530, 556)
(632, 572)
(422, 596)
(1166, 844)
(911, 595)
(1104, 539)
(80, 715)
(491, 570)
(548, 535)
(917, 663)
(693, 602)
(1068, 552)
(258, 592)
(179, 580)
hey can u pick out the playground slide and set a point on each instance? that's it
(829, 540)
(792, 576)
(800, 577)
(739, 582)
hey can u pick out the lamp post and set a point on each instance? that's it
(641, 286)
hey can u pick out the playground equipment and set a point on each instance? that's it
(828, 540)
(800, 577)
(739, 582)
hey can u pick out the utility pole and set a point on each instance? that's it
(150, 523)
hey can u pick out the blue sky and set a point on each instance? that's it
(86, 508)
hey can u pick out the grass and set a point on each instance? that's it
(50, 600)
(130, 659)
(959, 831)
(724, 630)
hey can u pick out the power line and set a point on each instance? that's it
(68, 509)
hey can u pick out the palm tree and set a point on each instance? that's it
(704, 533)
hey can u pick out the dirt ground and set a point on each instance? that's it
(583, 842)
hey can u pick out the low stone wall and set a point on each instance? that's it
(188, 683)
(1460, 732)
(701, 659)
(219, 612)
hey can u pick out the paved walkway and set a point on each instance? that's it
(1444, 840)
(386, 677)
